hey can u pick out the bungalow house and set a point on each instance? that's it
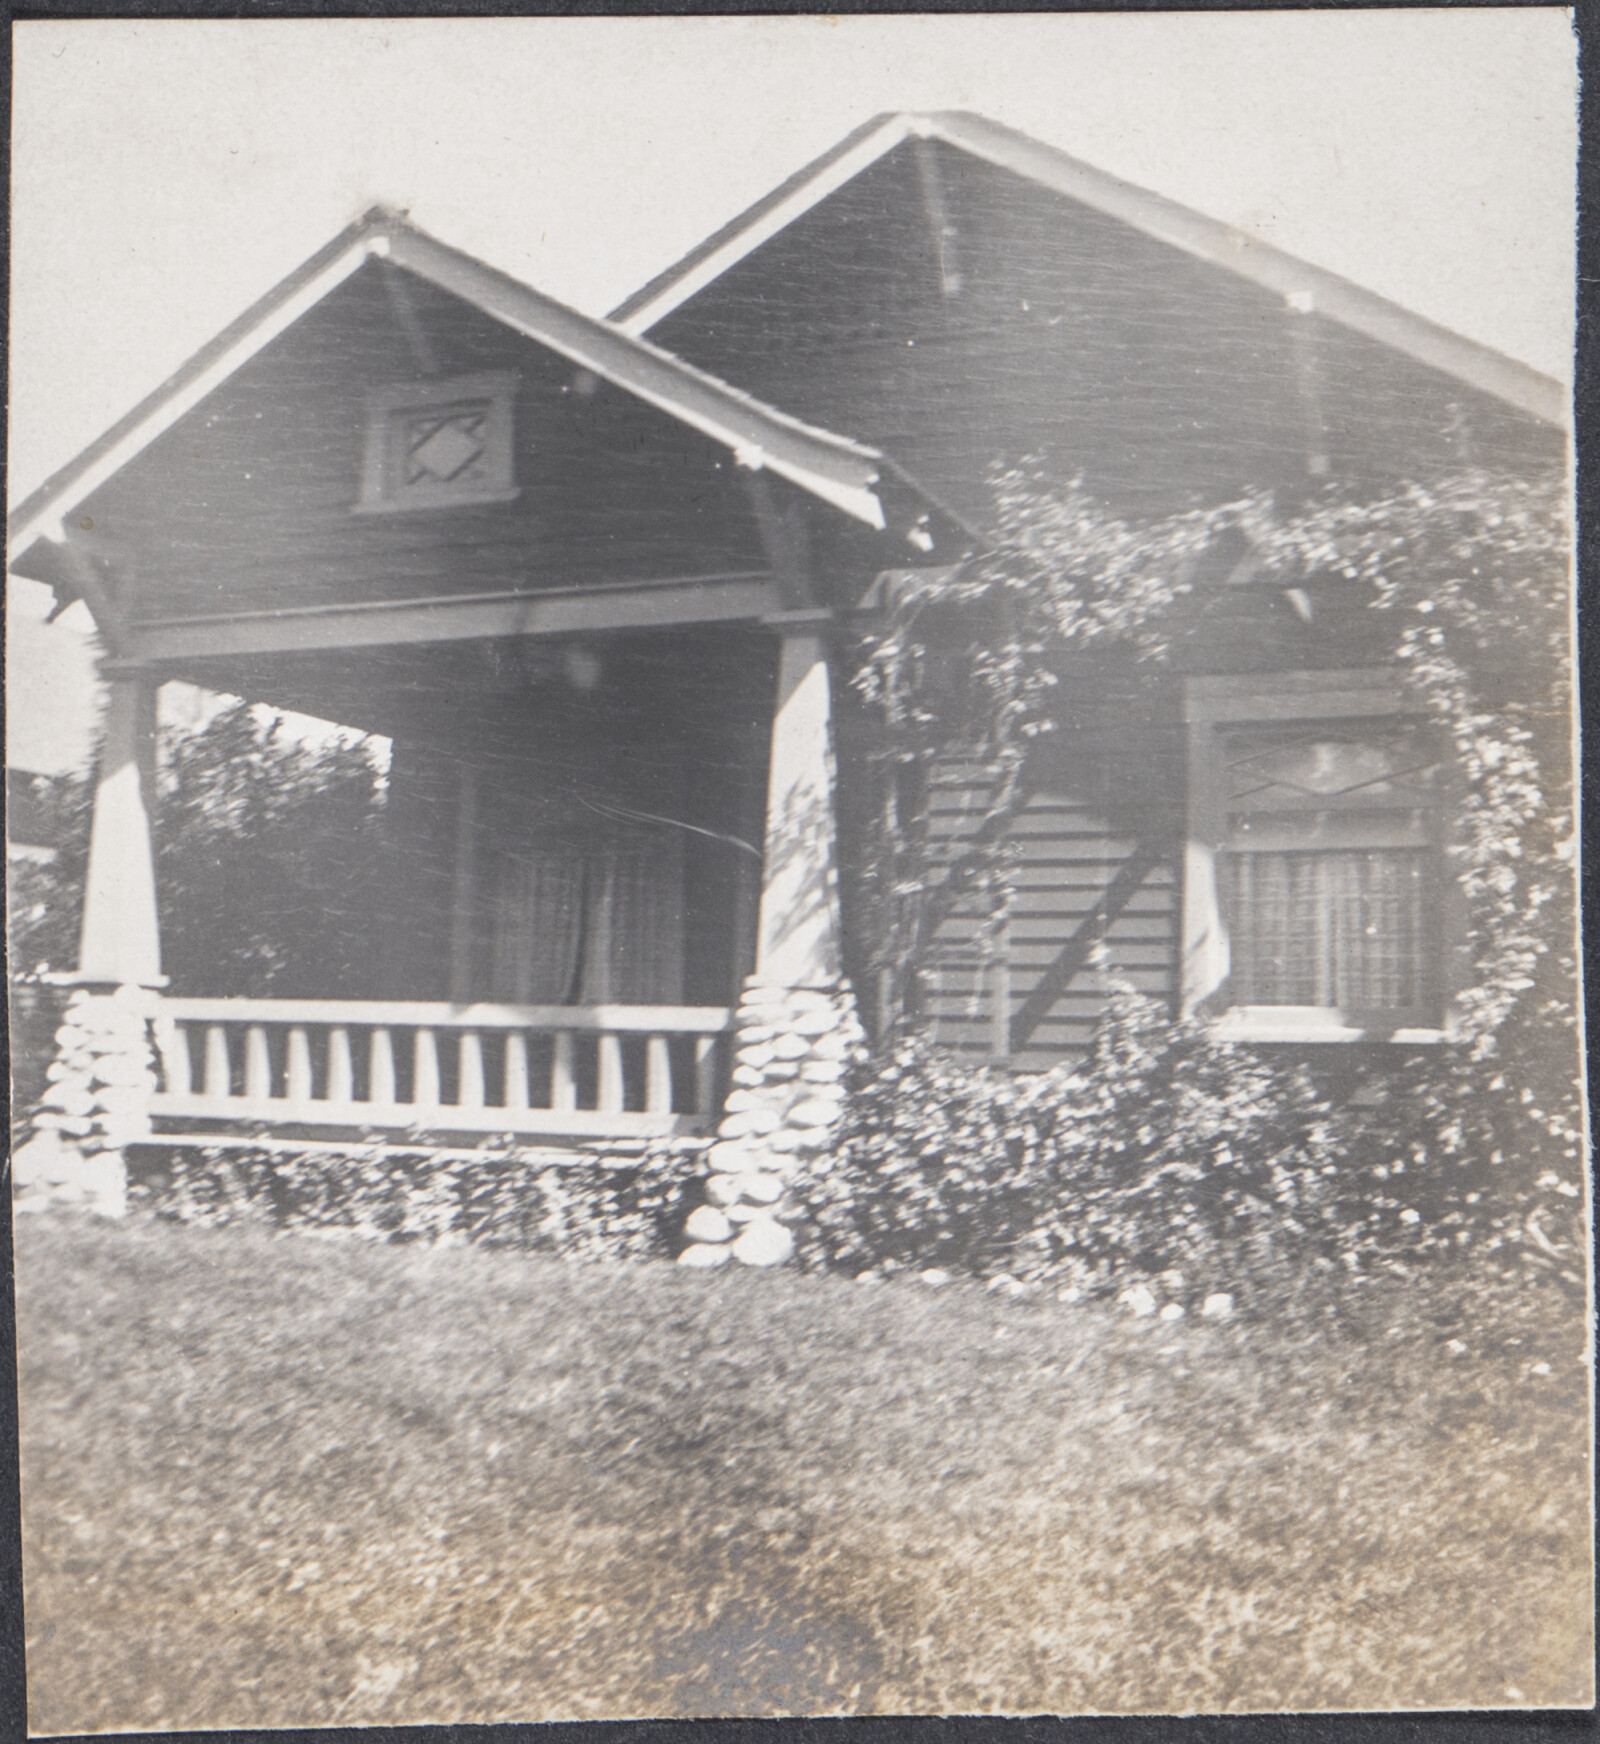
(592, 578)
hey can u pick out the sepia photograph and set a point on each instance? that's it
(792, 868)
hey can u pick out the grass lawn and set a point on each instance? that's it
(276, 1481)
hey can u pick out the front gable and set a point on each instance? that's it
(399, 425)
(528, 474)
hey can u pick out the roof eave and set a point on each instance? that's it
(802, 181)
(756, 224)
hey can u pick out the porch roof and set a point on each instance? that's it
(833, 468)
(1168, 221)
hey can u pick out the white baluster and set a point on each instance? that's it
(341, 1073)
(516, 1070)
(380, 1071)
(563, 1080)
(297, 1066)
(176, 1069)
(657, 1076)
(219, 1069)
(425, 1070)
(469, 1056)
(705, 1073)
(257, 1064)
(610, 1087)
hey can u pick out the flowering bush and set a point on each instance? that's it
(1463, 586)
(592, 1207)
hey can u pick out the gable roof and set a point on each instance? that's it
(1308, 287)
(831, 467)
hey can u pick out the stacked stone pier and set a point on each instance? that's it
(95, 1104)
(792, 1048)
(797, 1025)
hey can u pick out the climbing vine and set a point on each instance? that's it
(1472, 574)
(1463, 587)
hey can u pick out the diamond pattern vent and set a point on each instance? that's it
(440, 444)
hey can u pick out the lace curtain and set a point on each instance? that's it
(1346, 930)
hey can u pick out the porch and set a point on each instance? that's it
(560, 910)
(589, 597)
(590, 850)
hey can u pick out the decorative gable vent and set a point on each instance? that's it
(439, 444)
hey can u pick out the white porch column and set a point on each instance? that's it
(797, 1024)
(120, 944)
(798, 921)
(103, 1074)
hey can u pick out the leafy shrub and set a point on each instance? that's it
(44, 897)
(265, 847)
(43, 914)
(267, 850)
(592, 1207)
(1164, 1154)
(1471, 1156)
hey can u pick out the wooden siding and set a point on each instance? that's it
(1096, 858)
(1068, 859)
(247, 502)
(1037, 326)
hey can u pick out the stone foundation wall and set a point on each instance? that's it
(791, 1048)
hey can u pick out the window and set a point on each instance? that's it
(439, 444)
(1314, 906)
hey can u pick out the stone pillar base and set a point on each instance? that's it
(97, 1102)
(48, 1174)
(791, 1049)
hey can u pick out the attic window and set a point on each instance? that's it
(439, 444)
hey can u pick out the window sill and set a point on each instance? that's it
(1308, 1023)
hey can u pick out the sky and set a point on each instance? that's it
(167, 173)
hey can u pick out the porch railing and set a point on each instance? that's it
(599, 1070)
